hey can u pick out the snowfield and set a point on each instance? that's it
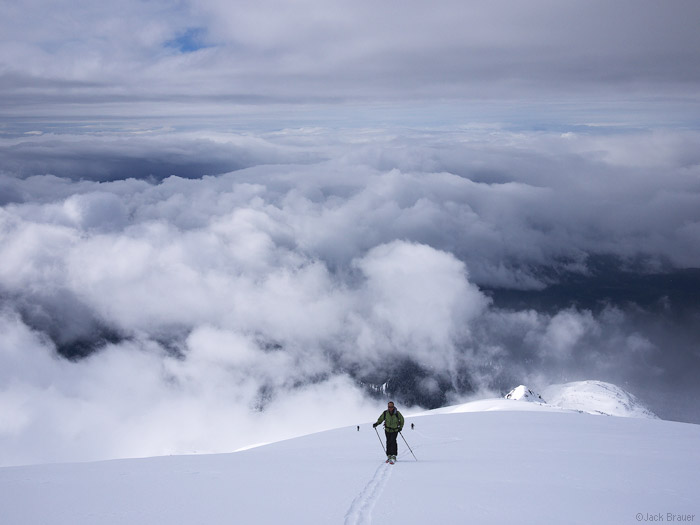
(490, 462)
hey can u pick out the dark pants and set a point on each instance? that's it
(392, 449)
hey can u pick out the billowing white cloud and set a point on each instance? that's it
(419, 304)
(134, 399)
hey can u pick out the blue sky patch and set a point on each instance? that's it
(191, 40)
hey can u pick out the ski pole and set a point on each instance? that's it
(380, 440)
(409, 446)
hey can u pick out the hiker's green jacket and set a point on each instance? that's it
(392, 422)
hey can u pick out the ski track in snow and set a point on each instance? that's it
(360, 511)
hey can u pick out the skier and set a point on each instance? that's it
(393, 423)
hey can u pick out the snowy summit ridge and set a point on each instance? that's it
(523, 393)
(592, 397)
(597, 397)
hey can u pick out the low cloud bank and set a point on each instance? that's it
(148, 317)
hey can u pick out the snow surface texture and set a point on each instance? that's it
(489, 462)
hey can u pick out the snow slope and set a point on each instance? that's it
(484, 463)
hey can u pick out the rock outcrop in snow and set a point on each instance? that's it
(596, 397)
(523, 393)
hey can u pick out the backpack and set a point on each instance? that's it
(396, 414)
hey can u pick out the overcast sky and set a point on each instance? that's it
(185, 59)
(228, 213)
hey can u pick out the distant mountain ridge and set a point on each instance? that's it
(592, 397)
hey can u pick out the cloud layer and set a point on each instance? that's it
(210, 313)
